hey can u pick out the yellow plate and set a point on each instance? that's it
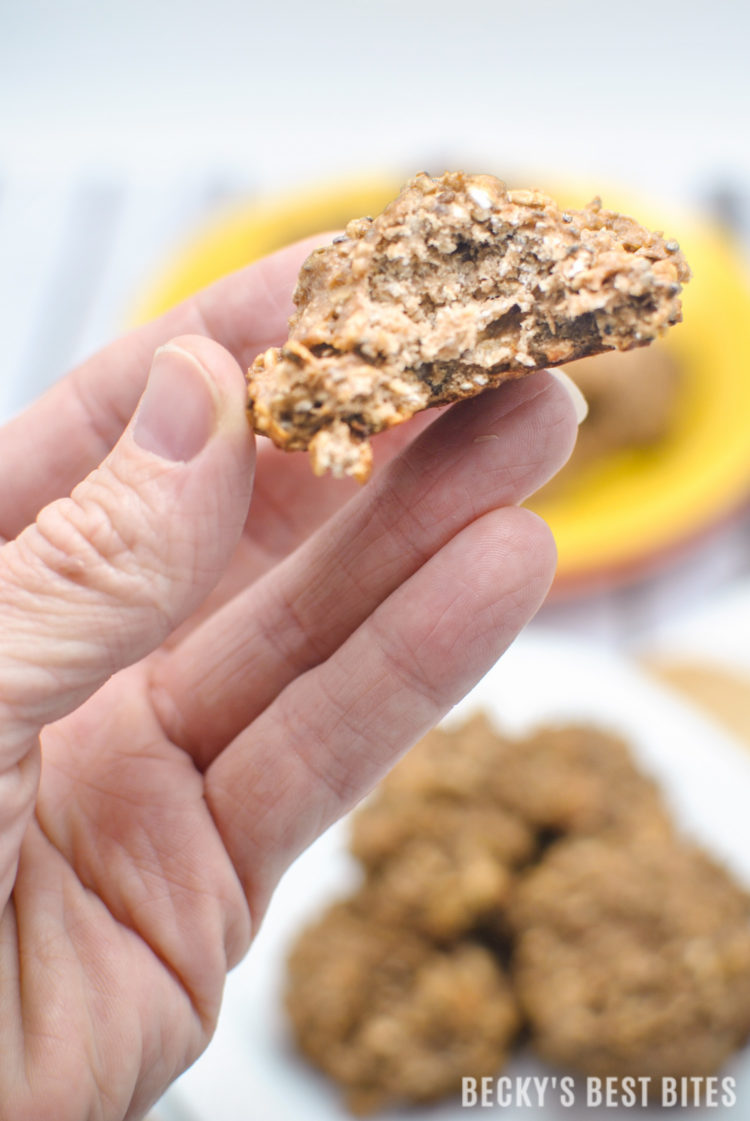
(250, 231)
(632, 509)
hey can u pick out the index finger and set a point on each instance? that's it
(58, 440)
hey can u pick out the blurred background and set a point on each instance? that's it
(144, 148)
(147, 147)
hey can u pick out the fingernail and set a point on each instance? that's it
(176, 415)
(580, 404)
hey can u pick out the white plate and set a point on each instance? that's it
(250, 1071)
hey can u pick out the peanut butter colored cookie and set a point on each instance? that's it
(457, 286)
(544, 871)
(390, 1016)
(633, 958)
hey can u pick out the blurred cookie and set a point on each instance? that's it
(577, 780)
(632, 958)
(632, 396)
(392, 1018)
(440, 867)
(438, 848)
(551, 856)
(466, 809)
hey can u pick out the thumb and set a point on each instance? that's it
(104, 576)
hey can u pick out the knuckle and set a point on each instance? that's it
(403, 662)
(91, 542)
(79, 541)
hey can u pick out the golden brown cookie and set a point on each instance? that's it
(632, 958)
(579, 779)
(465, 811)
(458, 285)
(440, 867)
(392, 1018)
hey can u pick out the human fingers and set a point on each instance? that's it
(483, 454)
(330, 735)
(289, 504)
(54, 444)
(105, 574)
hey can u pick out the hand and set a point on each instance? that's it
(212, 688)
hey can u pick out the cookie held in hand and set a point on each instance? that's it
(458, 285)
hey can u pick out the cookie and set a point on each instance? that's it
(632, 958)
(457, 286)
(389, 1016)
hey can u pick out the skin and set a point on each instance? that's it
(211, 682)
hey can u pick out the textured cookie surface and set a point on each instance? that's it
(460, 816)
(633, 959)
(458, 285)
(392, 1017)
(536, 882)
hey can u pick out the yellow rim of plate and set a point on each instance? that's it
(631, 506)
(245, 233)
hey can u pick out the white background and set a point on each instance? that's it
(649, 92)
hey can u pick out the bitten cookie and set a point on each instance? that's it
(457, 286)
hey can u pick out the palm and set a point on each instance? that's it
(134, 861)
